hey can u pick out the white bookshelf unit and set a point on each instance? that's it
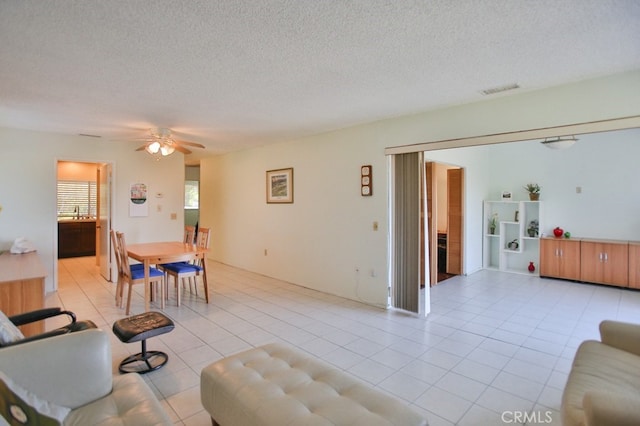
(511, 226)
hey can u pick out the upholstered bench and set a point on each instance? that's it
(278, 385)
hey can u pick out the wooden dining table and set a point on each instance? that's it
(167, 252)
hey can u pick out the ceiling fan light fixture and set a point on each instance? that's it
(559, 142)
(153, 147)
(166, 149)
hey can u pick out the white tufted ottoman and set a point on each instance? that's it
(277, 385)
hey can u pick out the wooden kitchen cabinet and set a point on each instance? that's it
(605, 262)
(560, 258)
(634, 264)
(76, 238)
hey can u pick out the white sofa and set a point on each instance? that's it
(603, 387)
(75, 371)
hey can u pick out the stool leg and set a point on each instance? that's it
(146, 357)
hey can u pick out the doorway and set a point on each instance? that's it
(445, 218)
(83, 208)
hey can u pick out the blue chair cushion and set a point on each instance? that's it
(181, 267)
(137, 266)
(138, 273)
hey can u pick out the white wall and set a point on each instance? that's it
(321, 239)
(28, 189)
(604, 165)
(325, 235)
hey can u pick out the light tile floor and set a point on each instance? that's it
(495, 346)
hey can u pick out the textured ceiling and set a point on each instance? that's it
(239, 73)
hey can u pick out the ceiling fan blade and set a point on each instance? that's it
(142, 148)
(181, 149)
(194, 144)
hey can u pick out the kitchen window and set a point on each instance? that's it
(76, 199)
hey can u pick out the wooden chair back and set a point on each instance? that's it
(116, 249)
(124, 257)
(189, 234)
(204, 238)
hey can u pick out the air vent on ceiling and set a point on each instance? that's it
(89, 136)
(500, 89)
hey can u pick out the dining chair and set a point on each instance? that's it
(135, 275)
(116, 255)
(190, 270)
(188, 238)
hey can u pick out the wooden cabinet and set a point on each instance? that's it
(605, 262)
(22, 287)
(634, 264)
(594, 261)
(560, 258)
(76, 238)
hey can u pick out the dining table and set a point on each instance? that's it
(166, 252)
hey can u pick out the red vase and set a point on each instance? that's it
(531, 268)
(558, 232)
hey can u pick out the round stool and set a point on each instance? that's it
(139, 328)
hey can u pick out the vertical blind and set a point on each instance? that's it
(74, 196)
(406, 232)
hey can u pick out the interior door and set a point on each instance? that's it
(103, 222)
(406, 175)
(455, 213)
(431, 224)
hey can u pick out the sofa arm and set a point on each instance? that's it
(604, 409)
(69, 370)
(621, 335)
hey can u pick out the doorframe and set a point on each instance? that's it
(432, 216)
(112, 209)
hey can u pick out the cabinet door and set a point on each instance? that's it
(569, 259)
(634, 265)
(549, 259)
(560, 258)
(605, 263)
(615, 264)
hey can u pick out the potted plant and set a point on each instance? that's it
(534, 191)
(493, 223)
(532, 230)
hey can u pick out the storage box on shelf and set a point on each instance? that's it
(513, 219)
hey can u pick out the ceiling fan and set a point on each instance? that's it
(161, 142)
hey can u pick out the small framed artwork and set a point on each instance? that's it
(506, 195)
(366, 181)
(280, 186)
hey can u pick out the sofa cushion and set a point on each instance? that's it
(131, 402)
(602, 368)
(22, 406)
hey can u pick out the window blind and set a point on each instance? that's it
(76, 198)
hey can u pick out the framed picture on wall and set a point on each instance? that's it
(280, 186)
